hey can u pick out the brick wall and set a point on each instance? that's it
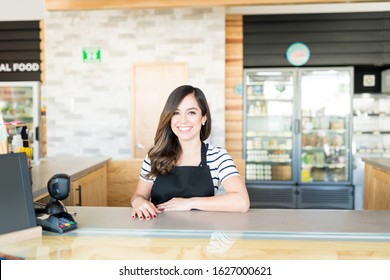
(89, 104)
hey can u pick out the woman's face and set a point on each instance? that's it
(187, 120)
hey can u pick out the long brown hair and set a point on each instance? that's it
(167, 150)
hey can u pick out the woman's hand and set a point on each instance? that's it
(176, 204)
(143, 209)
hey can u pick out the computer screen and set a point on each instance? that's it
(16, 200)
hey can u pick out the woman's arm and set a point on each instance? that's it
(143, 208)
(235, 199)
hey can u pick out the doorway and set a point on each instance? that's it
(152, 83)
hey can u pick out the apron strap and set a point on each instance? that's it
(204, 154)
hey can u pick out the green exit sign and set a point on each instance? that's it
(91, 54)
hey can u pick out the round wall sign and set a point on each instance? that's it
(297, 54)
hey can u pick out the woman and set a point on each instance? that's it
(181, 172)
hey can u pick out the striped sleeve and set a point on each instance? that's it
(145, 170)
(221, 165)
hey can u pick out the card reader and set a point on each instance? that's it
(60, 223)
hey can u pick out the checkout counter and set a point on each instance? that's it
(76, 167)
(109, 233)
(377, 184)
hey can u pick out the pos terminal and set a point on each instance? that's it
(54, 216)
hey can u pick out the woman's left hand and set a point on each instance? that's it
(175, 204)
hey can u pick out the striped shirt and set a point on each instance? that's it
(220, 162)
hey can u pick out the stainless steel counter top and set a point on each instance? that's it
(75, 167)
(109, 233)
(255, 224)
(382, 163)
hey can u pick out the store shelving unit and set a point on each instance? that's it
(371, 135)
(297, 137)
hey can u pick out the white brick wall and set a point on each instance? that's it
(89, 104)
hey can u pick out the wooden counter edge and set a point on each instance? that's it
(20, 235)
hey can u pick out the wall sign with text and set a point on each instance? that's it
(19, 67)
(20, 71)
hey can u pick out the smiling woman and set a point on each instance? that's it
(181, 172)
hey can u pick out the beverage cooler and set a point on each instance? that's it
(19, 105)
(297, 137)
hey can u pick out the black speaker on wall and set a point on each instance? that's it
(368, 79)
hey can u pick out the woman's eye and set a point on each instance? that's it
(176, 113)
(192, 113)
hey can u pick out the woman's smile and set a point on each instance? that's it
(184, 128)
(187, 120)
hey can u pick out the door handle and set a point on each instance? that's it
(297, 126)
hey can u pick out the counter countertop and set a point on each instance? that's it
(109, 233)
(75, 167)
(382, 163)
(291, 223)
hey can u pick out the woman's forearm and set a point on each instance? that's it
(228, 202)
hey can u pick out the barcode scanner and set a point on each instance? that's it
(56, 217)
(59, 189)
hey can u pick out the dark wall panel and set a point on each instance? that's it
(14, 77)
(333, 39)
(20, 45)
(360, 71)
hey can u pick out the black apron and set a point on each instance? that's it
(184, 181)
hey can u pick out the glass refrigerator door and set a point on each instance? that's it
(20, 102)
(268, 111)
(326, 100)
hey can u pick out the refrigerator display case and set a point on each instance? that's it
(269, 103)
(371, 134)
(371, 119)
(20, 104)
(297, 137)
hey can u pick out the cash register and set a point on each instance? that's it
(53, 216)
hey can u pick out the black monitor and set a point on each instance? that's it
(16, 200)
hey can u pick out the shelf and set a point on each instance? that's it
(326, 116)
(372, 151)
(262, 115)
(17, 116)
(286, 134)
(378, 132)
(269, 149)
(263, 98)
(12, 99)
(325, 165)
(17, 125)
(365, 115)
(311, 148)
(286, 161)
(377, 96)
(338, 131)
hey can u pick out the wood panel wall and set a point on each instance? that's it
(42, 47)
(43, 126)
(122, 178)
(147, 4)
(233, 81)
